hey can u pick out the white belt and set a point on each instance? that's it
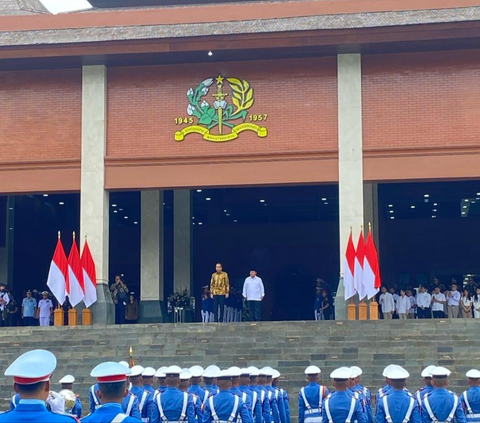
(313, 410)
(473, 416)
(145, 419)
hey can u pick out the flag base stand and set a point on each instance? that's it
(351, 312)
(86, 317)
(373, 309)
(58, 317)
(362, 311)
(72, 317)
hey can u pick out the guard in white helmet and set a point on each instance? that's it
(310, 398)
(471, 398)
(428, 387)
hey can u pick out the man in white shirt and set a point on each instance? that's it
(254, 292)
(438, 304)
(453, 304)
(424, 301)
(403, 305)
(388, 305)
(413, 304)
(45, 306)
(4, 300)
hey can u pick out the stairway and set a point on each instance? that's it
(287, 346)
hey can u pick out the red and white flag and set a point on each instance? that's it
(58, 274)
(75, 284)
(371, 268)
(359, 260)
(89, 276)
(349, 269)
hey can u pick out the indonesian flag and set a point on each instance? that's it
(75, 285)
(371, 268)
(359, 260)
(89, 276)
(58, 274)
(349, 269)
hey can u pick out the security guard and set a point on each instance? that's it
(254, 397)
(265, 386)
(147, 378)
(310, 397)
(281, 395)
(399, 405)
(341, 406)
(195, 388)
(161, 376)
(148, 410)
(112, 387)
(173, 404)
(67, 383)
(31, 374)
(442, 405)
(225, 406)
(262, 397)
(471, 398)
(428, 387)
(210, 380)
(235, 390)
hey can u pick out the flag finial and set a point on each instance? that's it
(59, 235)
(74, 235)
(369, 226)
(85, 237)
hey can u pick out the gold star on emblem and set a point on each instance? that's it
(220, 79)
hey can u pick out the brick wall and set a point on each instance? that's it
(40, 115)
(421, 100)
(299, 96)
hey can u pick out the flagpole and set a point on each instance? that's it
(373, 301)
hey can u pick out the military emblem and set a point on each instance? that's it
(214, 118)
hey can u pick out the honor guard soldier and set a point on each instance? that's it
(195, 388)
(366, 392)
(359, 394)
(441, 405)
(311, 397)
(67, 383)
(282, 417)
(173, 404)
(399, 406)
(262, 395)
(471, 398)
(161, 376)
(340, 406)
(254, 397)
(31, 374)
(264, 385)
(209, 377)
(281, 395)
(112, 388)
(185, 380)
(148, 410)
(147, 378)
(428, 387)
(225, 407)
(235, 389)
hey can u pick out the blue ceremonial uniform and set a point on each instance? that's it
(222, 407)
(422, 392)
(77, 409)
(280, 404)
(262, 397)
(439, 405)
(245, 398)
(130, 404)
(274, 412)
(282, 398)
(471, 404)
(198, 391)
(173, 403)
(14, 401)
(398, 406)
(148, 410)
(310, 401)
(161, 389)
(255, 403)
(198, 408)
(340, 406)
(149, 389)
(107, 412)
(211, 389)
(33, 411)
(359, 394)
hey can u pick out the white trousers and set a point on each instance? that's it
(44, 321)
(206, 316)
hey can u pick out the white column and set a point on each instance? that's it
(349, 159)
(182, 238)
(94, 204)
(151, 273)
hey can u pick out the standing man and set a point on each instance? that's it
(424, 301)
(4, 300)
(254, 293)
(311, 397)
(67, 383)
(11, 312)
(403, 305)
(29, 308)
(45, 306)
(453, 302)
(471, 398)
(427, 380)
(438, 304)
(120, 297)
(387, 303)
(219, 291)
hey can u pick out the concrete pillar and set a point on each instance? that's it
(349, 159)
(182, 240)
(94, 203)
(370, 209)
(151, 271)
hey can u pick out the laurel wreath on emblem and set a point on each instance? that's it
(207, 113)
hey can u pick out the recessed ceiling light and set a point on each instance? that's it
(163, 203)
(435, 204)
(61, 203)
(210, 53)
(464, 207)
(193, 223)
(115, 211)
(135, 223)
(11, 229)
(466, 200)
(10, 208)
(326, 202)
(228, 214)
(114, 205)
(412, 207)
(262, 201)
(125, 217)
(120, 209)
(434, 210)
(473, 201)
(265, 204)
(235, 221)
(390, 211)
(390, 205)
(427, 195)
(324, 199)
(45, 195)
(478, 193)
(208, 198)
(433, 217)
(200, 223)
(193, 217)
(392, 217)
(122, 275)
(199, 190)
(224, 211)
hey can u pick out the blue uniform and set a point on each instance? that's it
(262, 397)
(149, 389)
(359, 394)
(310, 401)
(225, 406)
(398, 406)
(130, 403)
(281, 395)
(148, 410)
(422, 392)
(279, 403)
(198, 408)
(161, 389)
(471, 404)
(14, 401)
(442, 405)
(107, 412)
(274, 412)
(173, 404)
(245, 398)
(199, 392)
(211, 389)
(255, 402)
(341, 406)
(33, 411)
(77, 409)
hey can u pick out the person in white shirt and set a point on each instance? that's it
(45, 306)
(424, 301)
(453, 302)
(387, 303)
(413, 304)
(4, 300)
(438, 304)
(403, 305)
(476, 304)
(254, 293)
(466, 304)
